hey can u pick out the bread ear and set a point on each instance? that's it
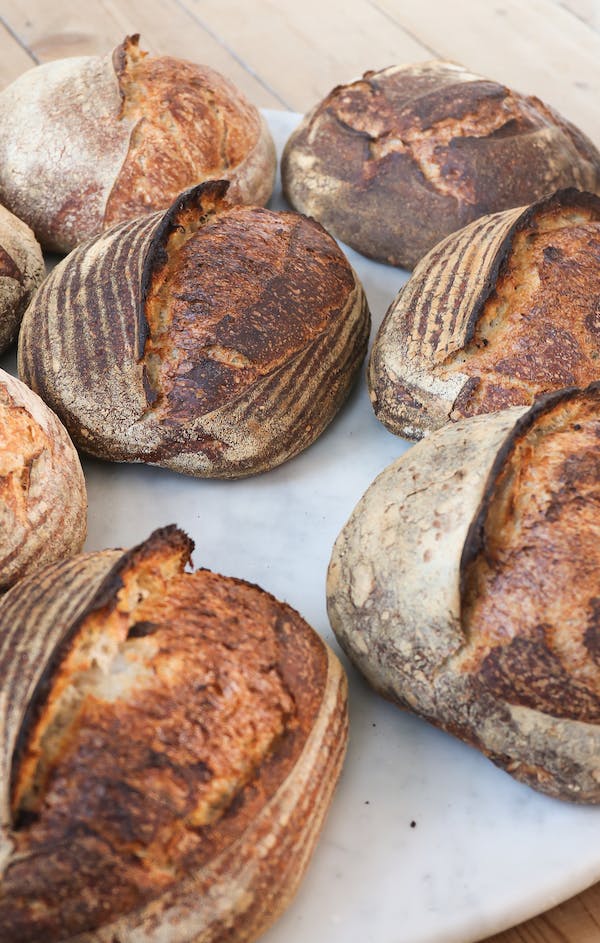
(461, 590)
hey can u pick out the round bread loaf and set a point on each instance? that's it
(216, 340)
(87, 142)
(498, 313)
(21, 271)
(169, 746)
(43, 503)
(394, 162)
(465, 588)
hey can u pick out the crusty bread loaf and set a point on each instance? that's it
(394, 162)
(498, 313)
(465, 587)
(215, 340)
(21, 272)
(43, 504)
(88, 142)
(169, 745)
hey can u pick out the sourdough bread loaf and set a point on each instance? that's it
(169, 748)
(394, 162)
(498, 313)
(21, 272)
(213, 339)
(464, 587)
(43, 504)
(88, 142)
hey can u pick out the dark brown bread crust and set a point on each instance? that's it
(397, 160)
(215, 340)
(497, 314)
(172, 716)
(481, 615)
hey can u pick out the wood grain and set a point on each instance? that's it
(537, 48)
(51, 31)
(289, 54)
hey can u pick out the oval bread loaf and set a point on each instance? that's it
(465, 588)
(215, 340)
(169, 748)
(21, 272)
(43, 504)
(394, 162)
(87, 142)
(498, 313)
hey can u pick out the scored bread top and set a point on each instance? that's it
(211, 339)
(464, 587)
(122, 135)
(189, 124)
(529, 567)
(171, 714)
(395, 161)
(496, 314)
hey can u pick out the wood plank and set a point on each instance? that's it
(576, 921)
(51, 31)
(303, 48)
(586, 10)
(14, 58)
(537, 47)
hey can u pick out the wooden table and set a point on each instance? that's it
(289, 53)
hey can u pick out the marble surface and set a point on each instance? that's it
(426, 841)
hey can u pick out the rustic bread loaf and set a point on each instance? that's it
(394, 162)
(465, 587)
(169, 748)
(43, 504)
(21, 271)
(215, 340)
(498, 313)
(88, 142)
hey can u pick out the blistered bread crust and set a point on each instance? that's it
(171, 748)
(452, 588)
(216, 340)
(43, 503)
(495, 315)
(123, 135)
(394, 162)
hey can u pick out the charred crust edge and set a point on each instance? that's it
(474, 542)
(156, 253)
(169, 536)
(569, 197)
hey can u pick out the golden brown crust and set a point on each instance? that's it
(394, 162)
(216, 365)
(167, 754)
(148, 128)
(42, 492)
(21, 272)
(480, 613)
(189, 124)
(497, 314)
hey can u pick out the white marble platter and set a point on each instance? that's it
(426, 841)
